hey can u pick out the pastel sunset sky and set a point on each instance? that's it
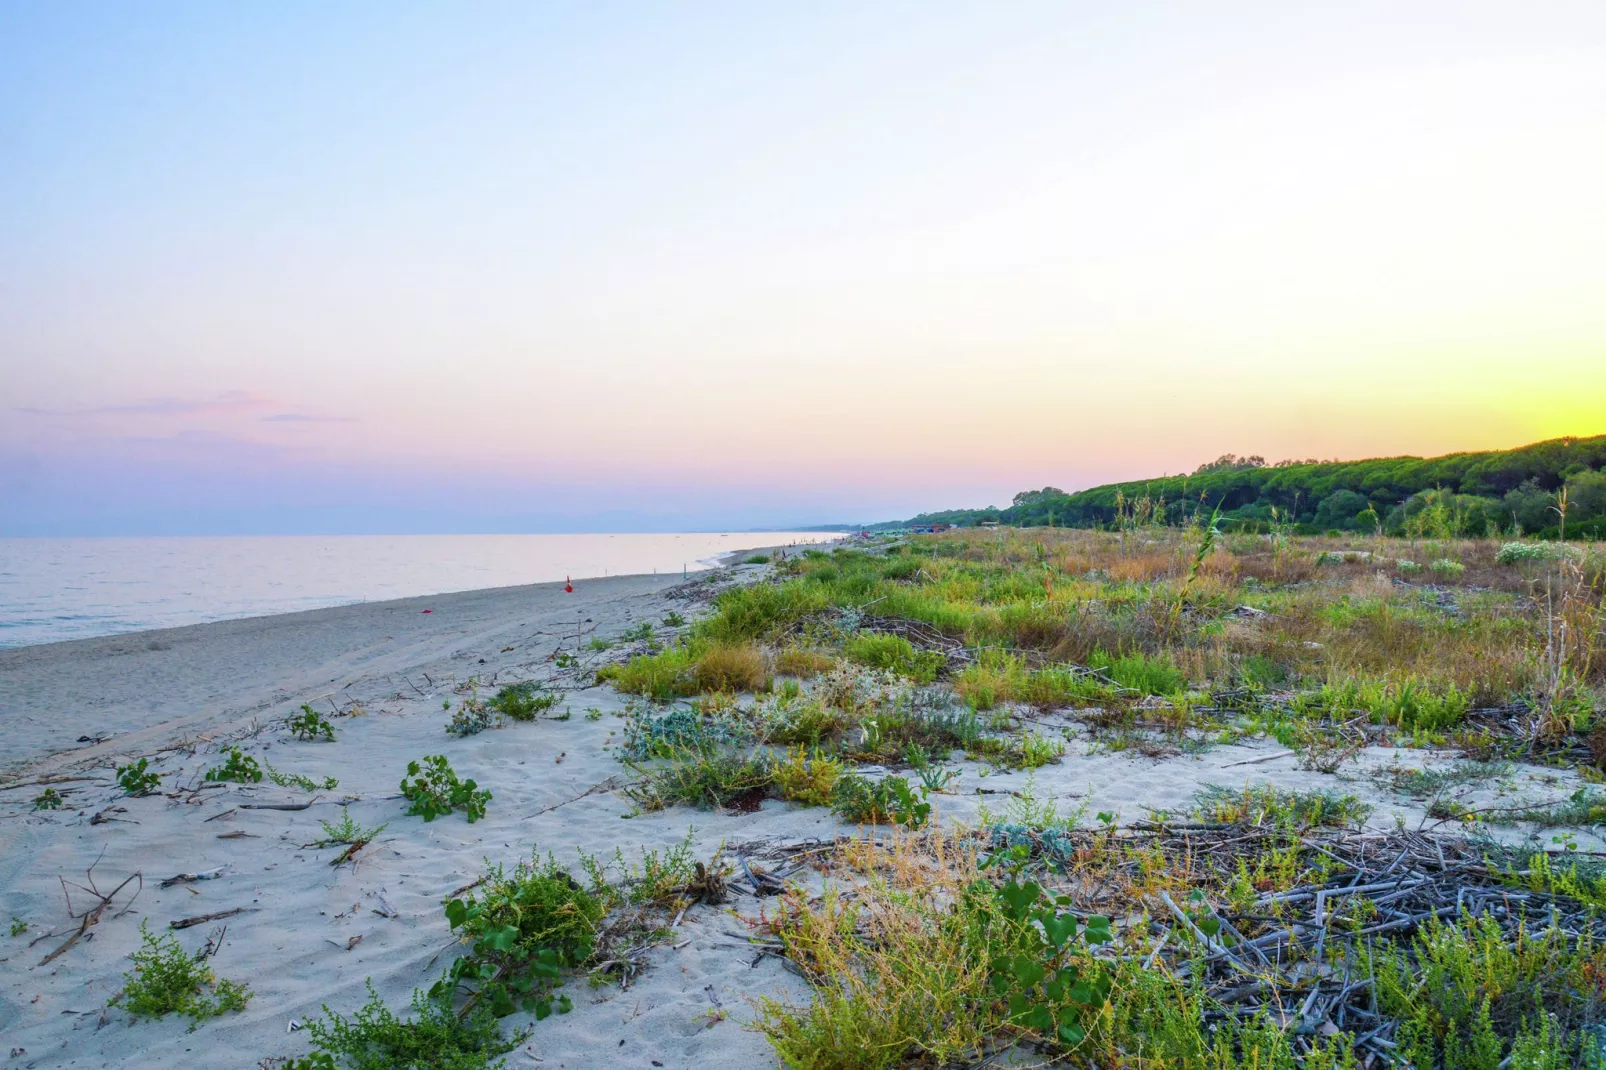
(486, 267)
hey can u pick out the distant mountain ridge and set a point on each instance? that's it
(1473, 493)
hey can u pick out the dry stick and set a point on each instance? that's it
(47, 780)
(349, 852)
(225, 813)
(1265, 758)
(92, 916)
(276, 806)
(201, 919)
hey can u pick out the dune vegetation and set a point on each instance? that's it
(1266, 928)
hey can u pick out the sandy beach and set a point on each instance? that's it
(303, 933)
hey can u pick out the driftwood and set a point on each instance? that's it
(202, 919)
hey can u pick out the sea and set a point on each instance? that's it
(53, 589)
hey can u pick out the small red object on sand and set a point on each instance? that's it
(568, 588)
(429, 611)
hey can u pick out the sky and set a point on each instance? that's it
(387, 267)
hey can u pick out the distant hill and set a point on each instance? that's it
(1459, 493)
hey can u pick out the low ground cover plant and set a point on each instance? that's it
(238, 767)
(298, 780)
(168, 980)
(523, 929)
(432, 789)
(434, 1037)
(524, 701)
(309, 725)
(137, 778)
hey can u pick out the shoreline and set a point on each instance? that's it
(39, 614)
(90, 700)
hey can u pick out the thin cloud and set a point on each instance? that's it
(229, 401)
(305, 418)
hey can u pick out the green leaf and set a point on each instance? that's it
(1059, 928)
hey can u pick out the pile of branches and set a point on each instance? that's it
(922, 636)
(1275, 956)
(1296, 955)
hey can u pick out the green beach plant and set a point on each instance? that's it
(136, 780)
(309, 725)
(238, 767)
(432, 789)
(167, 980)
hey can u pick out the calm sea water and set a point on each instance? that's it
(52, 589)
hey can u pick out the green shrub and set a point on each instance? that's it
(309, 725)
(1266, 805)
(522, 930)
(433, 1039)
(810, 781)
(49, 799)
(436, 791)
(1032, 751)
(1415, 708)
(1446, 567)
(1514, 552)
(1140, 672)
(703, 778)
(134, 780)
(523, 701)
(1039, 965)
(167, 980)
(756, 559)
(895, 653)
(239, 767)
(1465, 996)
(660, 677)
(472, 717)
(890, 800)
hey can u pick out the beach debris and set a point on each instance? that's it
(186, 878)
(90, 917)
(201, 919)
(103, 816)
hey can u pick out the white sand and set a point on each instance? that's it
(206, 684)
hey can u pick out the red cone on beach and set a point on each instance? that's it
(568, 588)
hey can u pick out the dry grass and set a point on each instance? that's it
(732, 667)
(803, 662)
